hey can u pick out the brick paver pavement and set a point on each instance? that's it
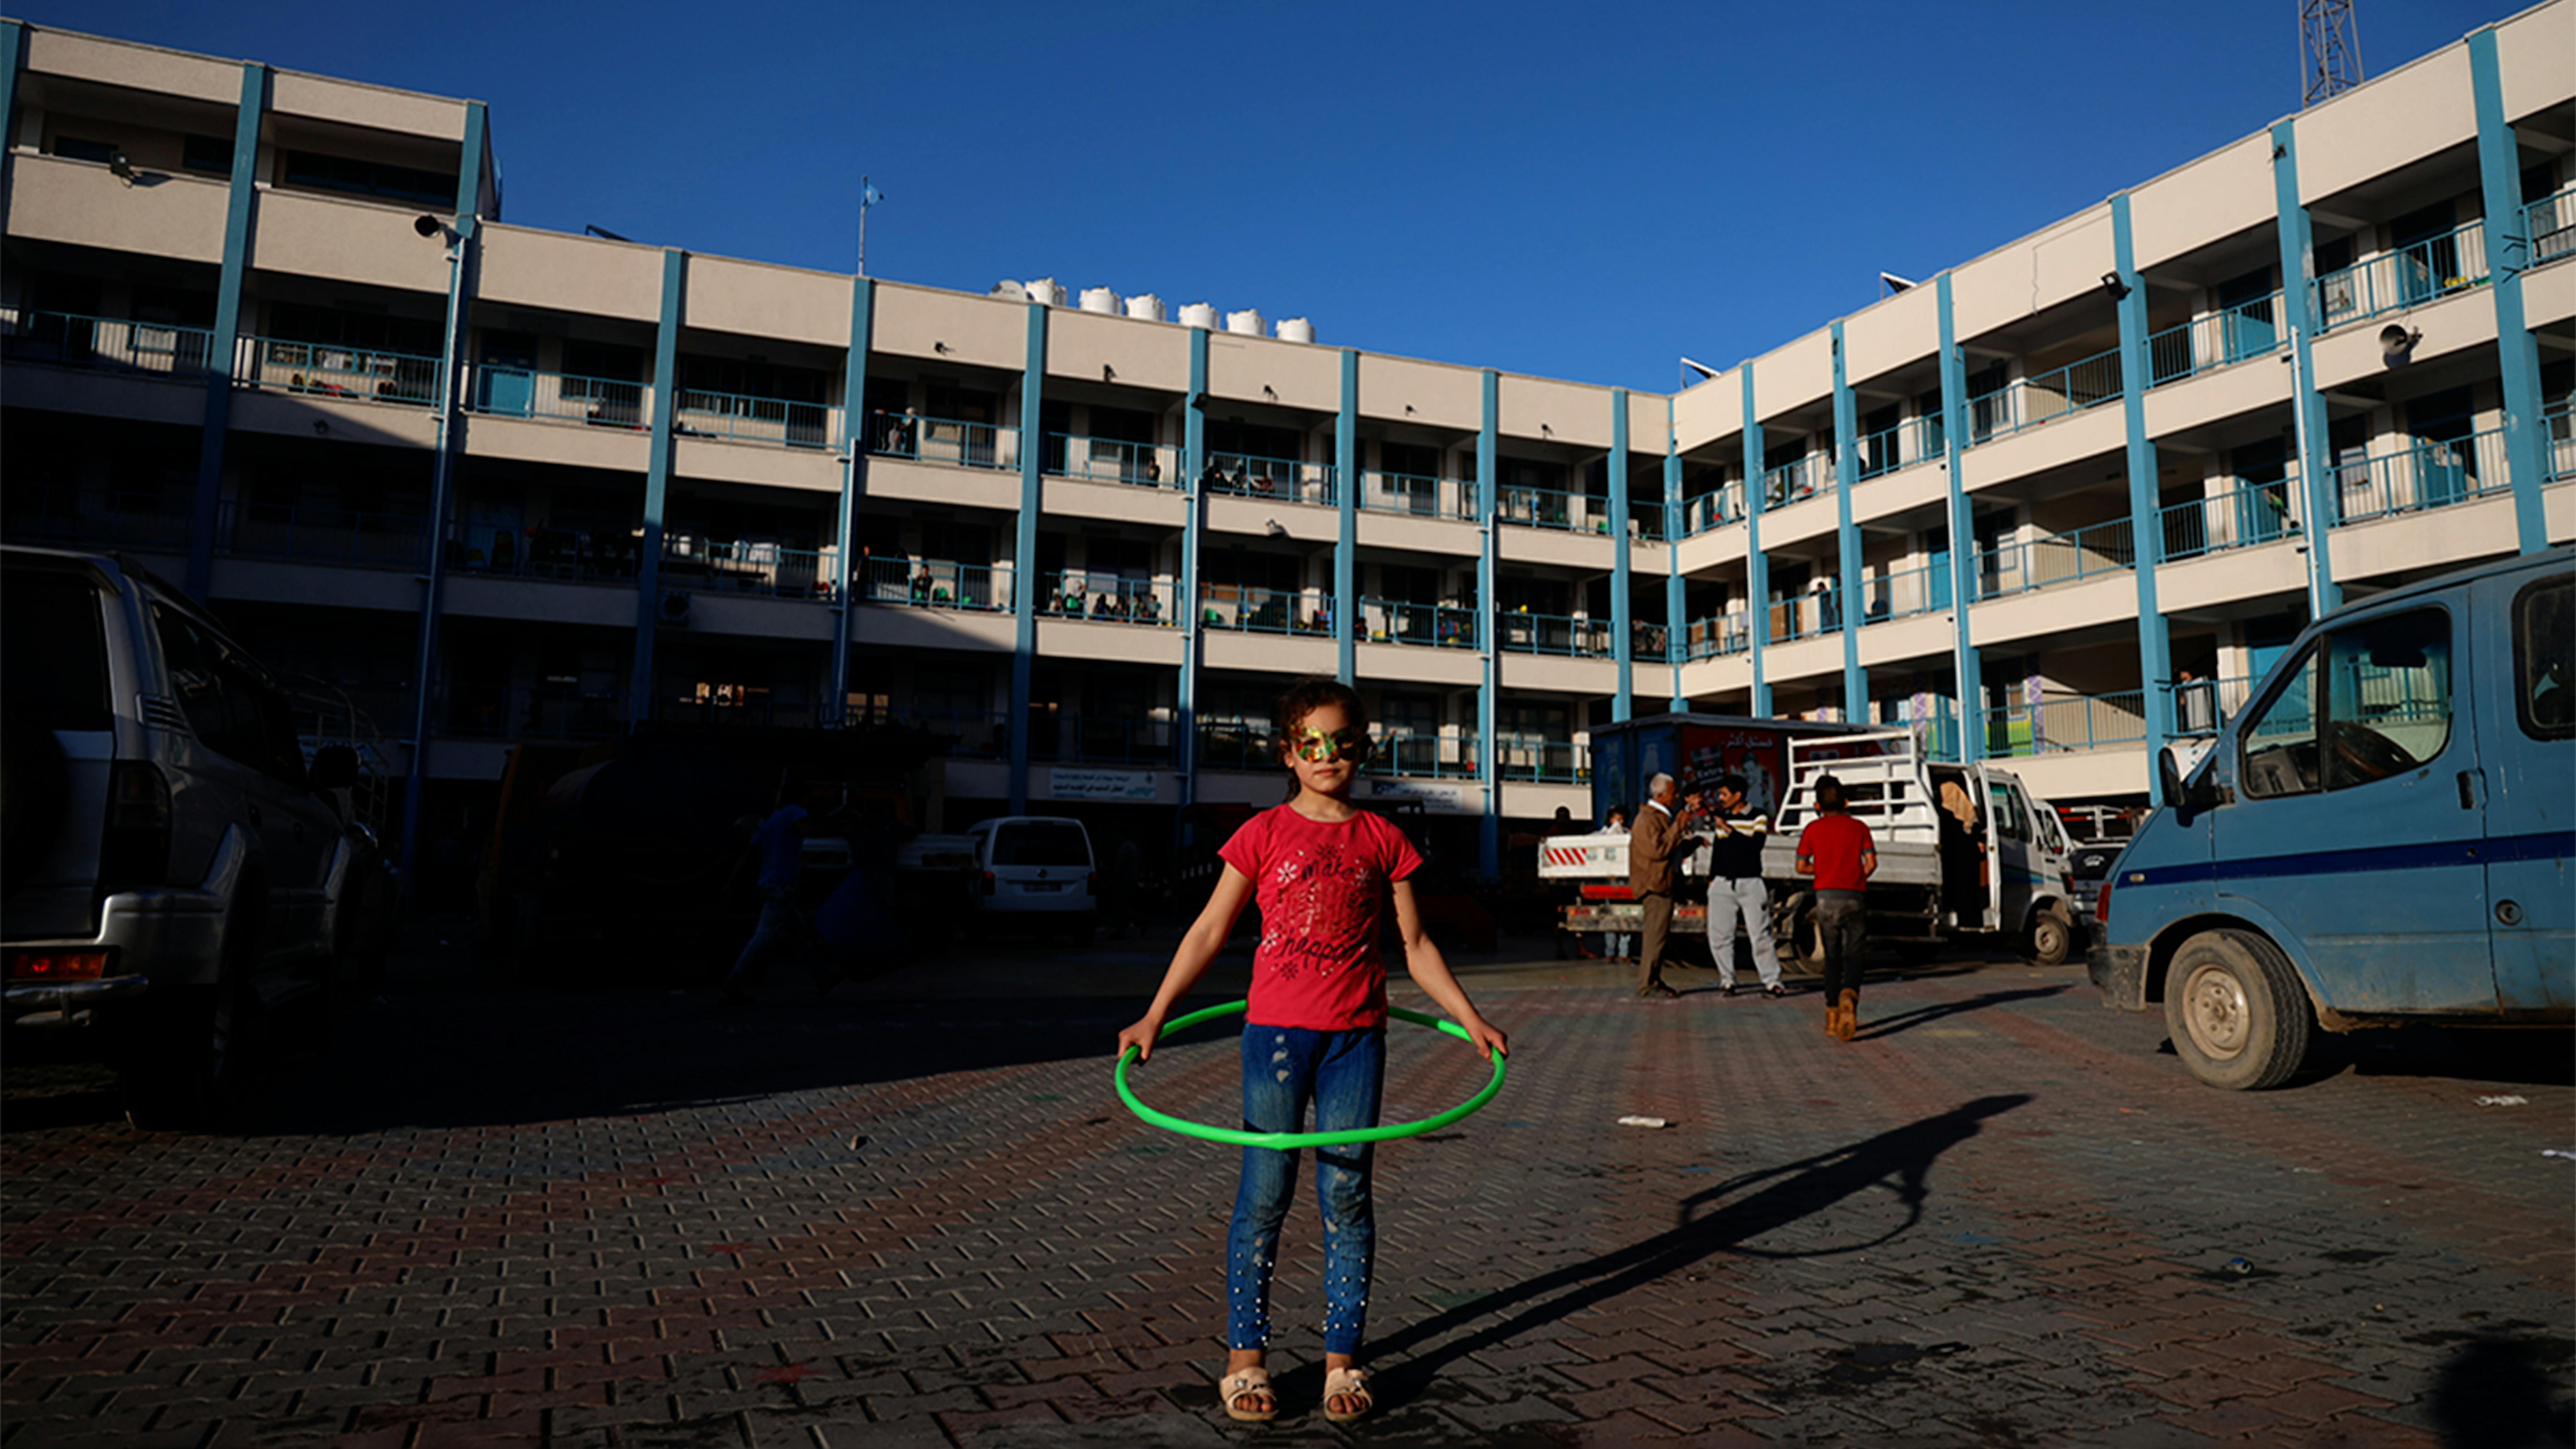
(2001, 1218)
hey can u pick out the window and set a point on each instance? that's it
(379, 179)
(2280, 744)
(2388, 708)
(231, 709)
(2545, 700)
(79, 148)
(1042, 842)
(2010, 822)
(207, 155)
(55, 654)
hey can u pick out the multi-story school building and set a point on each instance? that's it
(272, 333)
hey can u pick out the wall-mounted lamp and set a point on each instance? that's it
(1545, 431)
(940, 347)
(1270, 392)
(1408, 410)
(2118, 290)
(1108, 373)
(431, 228)
(1272, 528)
(120, 166)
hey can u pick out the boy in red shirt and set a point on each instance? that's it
(1840, 854)
(1323, 871)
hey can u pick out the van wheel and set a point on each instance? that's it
(2238, 1014)
(2052, 937)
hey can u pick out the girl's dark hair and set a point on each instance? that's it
(1309, 695)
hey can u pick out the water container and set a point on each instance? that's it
(1296, 329)
(1246, 323)
(1199, 314)
(1101, 300)
(1047, 290)
(1009, 291)
(1146, 308)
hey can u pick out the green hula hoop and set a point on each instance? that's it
(1291, 1141)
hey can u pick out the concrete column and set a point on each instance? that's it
(2508, 256)
(224, 347)
(1622, 621)
(854, 482)
(1676, 599)
(1025, 582)
(657, 484)
(1489, 840)
(1847, 536)
(2307, 405)
(1966, 671)
(2146, 535)
(1757, 576)
(1346, 549)
(1185, 744)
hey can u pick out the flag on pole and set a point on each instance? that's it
(869, 195)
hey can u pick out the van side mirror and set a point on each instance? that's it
(2185, 798)
(335, 767)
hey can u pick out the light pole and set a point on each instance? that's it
(442, 475)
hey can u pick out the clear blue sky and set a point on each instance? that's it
(1581, 191)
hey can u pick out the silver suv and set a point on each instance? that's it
(174, 871)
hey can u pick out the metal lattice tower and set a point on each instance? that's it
(2329, 49)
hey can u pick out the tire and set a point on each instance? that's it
(34, 790)
(2238, 1013)
(186, 1064)
(1800, 955)
(2052, 937)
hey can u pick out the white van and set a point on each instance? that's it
(1036, 872)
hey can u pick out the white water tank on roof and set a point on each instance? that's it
(1199, 314)
(1246, 323)
(1296, 329)
(1009, 291)
(1047, 290)
(1147, 308)
(1101, 300)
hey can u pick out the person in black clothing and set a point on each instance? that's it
(1735, 888)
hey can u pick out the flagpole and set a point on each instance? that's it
(863, 226)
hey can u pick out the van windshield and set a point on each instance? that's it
(1041, 842)
(53, 650)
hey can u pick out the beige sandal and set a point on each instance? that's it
(1242, 1384)
(1349, 1383)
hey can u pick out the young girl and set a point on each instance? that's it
(1322, 870)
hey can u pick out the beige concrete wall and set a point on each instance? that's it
(1647, 425)
(2436, 538)
(1271, 654)
(1701, 552)
(1817, 517)
(1589, 551)
(344, 241)
(1123, 350)
(2225, 393)
(937, 483)
(1561, 412)
(1912, 486)
(904, 628)
(1413, 664)
(2033, 274)
(582, 275)
(1306, 523)
(2042, 613)
(811, 470)
(2239, 573)
(322, 98)
(2461, 322)
(489, 598)
(2558, 506)
(978, 331)
(1108, 643)
(1529, 800)
(2217, 196)
(1925, 636)
(757, 616)
(1813, 659)
(2549, 295)
(1794, 375)
(1417, 535)
(1905, 328)
(770, 303)
(81, 204)
(276, 581)
(2532, 60)
(137, 398)
(138, 67)
(342, 420)
(1704, 677)
(1557, 673)
(1401, 389)
(570, 445)
(1112, 502)
(1296, 374)
(2068, 775)
(2400, 117)
(1712, 410)
(2083, 435)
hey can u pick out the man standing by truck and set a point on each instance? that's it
(1735, 888)
(1838, 851)
(1652, 876)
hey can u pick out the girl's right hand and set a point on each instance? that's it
(1141, 1037)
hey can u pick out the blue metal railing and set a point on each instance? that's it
(2045, 397)
(1904, 593)
(1818, 611)
(1263, 611)
(932, 583)
(547, 712)
(1417, 495)
(1109, 460)
(1881, 452)
(560, 554)
(1446, 626)
(2407, 277)
(2243, 515)
(61, 514)
(2421, 476)
(745, 418)
(1714, 509)
(1080, 594)
(2558, 429)
(942, 440)
(1649, 641)
(329, 370)
(1573, 636)
(2066, 722)
(748, 566)
(1553, 508)
(2058, 558)
(1236, 742)
(2204, 706)
(1811, 476)
(1406, 755)
(1542, 760)
(323, 535)
(519, 392)
(1719, 635)
(66, 339)
(2550, 222)
(2218, 339)
(1285, 479)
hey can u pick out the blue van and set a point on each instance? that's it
(2382, 834)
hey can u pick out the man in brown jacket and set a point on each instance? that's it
(1653, 874)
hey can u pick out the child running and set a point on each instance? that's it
(1322, 870)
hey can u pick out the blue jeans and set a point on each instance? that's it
(1341, 1072)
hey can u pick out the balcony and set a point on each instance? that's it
(2059, 558)
(2058, 393)
(518, 392)
(2243, 516)
(70, 517)
(749, 566)
(1719, 635)
(2410, 276)
(724, 706)
(1570, 635)
(2223, 338)
(324, 535)
(322, 369)
(1905, 593)
(2060, 723)
(1650, 642)
(942, 440)
(1538, 759)
(743, 418)
(2423, 476)
(1108, 600)
(1406, 755)
(1445, 626)
(2558, 426)
(1713, 510)
(1107, 460)
(2551, 224)
(546, 712)
(931, 583)
(107, 344)
(1287, 480)
(1421, 497)
(1797, 480)
(1819, 611)
(559, 555)
(1915, 441)
(1554, 508)
(1262, 611)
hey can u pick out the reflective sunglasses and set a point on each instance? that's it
(1316, 747)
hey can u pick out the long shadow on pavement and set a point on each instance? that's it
(1940, 1010)
(1796, 1190)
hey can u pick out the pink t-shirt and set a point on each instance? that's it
(1322, 890)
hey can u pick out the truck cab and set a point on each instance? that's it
(2382, 834)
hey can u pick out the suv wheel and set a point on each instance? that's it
(187, 1064)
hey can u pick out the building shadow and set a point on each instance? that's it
(1905, 1021)
(2500, 1392)
(1726, 1218)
